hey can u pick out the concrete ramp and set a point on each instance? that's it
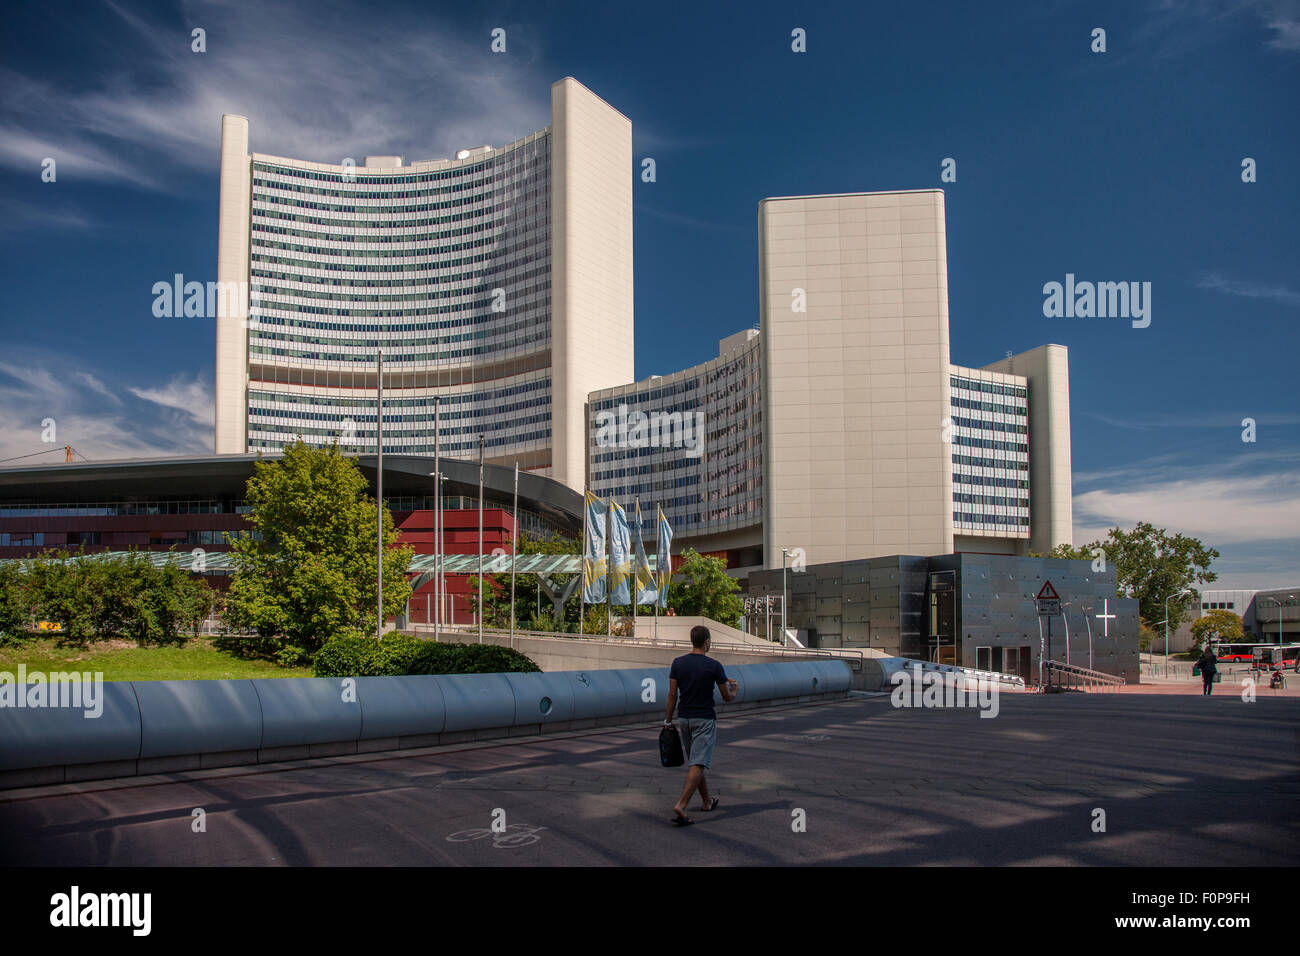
(878, 673)
(679, 629)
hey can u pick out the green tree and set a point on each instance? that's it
(1150, 565)
(706, 589)
(15, 610)
(72, 591)
(1218, 623)
(308, 571)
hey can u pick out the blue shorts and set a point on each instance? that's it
(699, 734)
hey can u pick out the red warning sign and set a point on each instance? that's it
(1048, 593)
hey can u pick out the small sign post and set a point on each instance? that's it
(1049, 602)
(1049, 605)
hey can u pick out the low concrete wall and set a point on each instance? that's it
(150, 727)
(576, 651)
(679, 629)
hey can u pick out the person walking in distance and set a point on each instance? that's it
(1208, 664)
(693, 677)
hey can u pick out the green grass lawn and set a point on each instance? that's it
(123, 660)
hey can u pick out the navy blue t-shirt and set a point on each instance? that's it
(696, 676)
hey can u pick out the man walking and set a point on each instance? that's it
(695, 675)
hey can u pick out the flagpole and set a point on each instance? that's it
(481, 603)
(609, 567)
(379, 489)
(636, 562)
(514, 549)
(437, 515)
(582, 566)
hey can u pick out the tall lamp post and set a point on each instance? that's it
(1167, 600)
(482, 605)
(1065, 621)
(1278, 602)
(1086, 611)
(784, 553)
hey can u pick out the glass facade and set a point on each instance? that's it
(445, 266)
(990, 456)
(700, 455)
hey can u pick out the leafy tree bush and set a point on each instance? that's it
(358, 656)
(1219, 623)
(97, 598)
(309, 571)
(15, 609)
(706, 589)
(1150, 565)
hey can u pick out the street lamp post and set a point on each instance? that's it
(1065, 622)
(784, 553)
(1167, 600)
(1278, 602)
(1086, 611)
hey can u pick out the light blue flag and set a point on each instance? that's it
(663, 558)
(620, 552)
(593, 557)
(647, 591)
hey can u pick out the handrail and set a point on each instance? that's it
(968, 672)
(1064, 676)
(849, 654)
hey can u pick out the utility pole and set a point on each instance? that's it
(481, 603)
(514, 549)
(437, 524)
(379, 485)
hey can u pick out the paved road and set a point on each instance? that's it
(1182, 780)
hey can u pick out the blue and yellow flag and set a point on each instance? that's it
(594, 564)
(647, 592)
(663, 559)
(620, 553)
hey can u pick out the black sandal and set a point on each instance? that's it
(713, 805)
(682, 821)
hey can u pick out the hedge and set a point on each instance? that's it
(401, 654)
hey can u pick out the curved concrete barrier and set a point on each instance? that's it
(306, 710)
(197, 716)
(400, 706)
(541, 698)
(159, 726)
(477, 701)
(597, 694)
(47, 736)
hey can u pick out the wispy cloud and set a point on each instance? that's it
(1208, 420)
(191, 397)
(1182, 26)
(1246, 505)
(320, 81)
(681, 220)
(1250, 290)
(16, 215)
(101, 420)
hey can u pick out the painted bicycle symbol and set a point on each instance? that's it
(516, 834)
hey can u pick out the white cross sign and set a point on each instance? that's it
(1106, 618)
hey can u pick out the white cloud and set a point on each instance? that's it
(193, 398)
(1216, 510)
(1250, 290)
(321, 82)
(99, 420)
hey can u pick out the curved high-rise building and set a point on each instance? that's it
(498, 283)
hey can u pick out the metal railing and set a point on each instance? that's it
(968, 673)
(1061, 676)
(853, 656)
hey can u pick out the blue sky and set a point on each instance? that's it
(1115, 166)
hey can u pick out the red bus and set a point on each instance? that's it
(1266, 655)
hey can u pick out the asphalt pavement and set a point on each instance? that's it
(1069, 779)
